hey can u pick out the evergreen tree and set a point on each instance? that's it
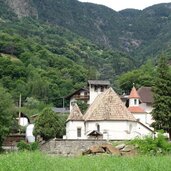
(162, 97)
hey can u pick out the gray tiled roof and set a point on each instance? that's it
(146, 94)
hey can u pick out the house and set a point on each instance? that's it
(94, 88)
(137, 109)
(81, 94)
(106, 118)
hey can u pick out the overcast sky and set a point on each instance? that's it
(123, 4)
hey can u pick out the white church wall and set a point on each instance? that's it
(72, 128)
(142, 131)
(145, 118)
(113, 130)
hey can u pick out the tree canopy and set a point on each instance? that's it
(162, 97)
(49, 124)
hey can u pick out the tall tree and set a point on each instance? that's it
(6, 114)
(162, 97)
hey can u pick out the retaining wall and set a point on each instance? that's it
(69, 147)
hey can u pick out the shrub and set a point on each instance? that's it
(49, 125)
(34, 146)
(151, 146)
(22, 145)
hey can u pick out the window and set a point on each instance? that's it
(78, 132)
(98, 127)
(135, 101)
(95, 88)
(102, 89)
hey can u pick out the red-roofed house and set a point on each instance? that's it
(137, 110)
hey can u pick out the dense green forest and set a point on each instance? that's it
(50, 48)
(48, 62)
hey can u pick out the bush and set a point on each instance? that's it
(22, 145)
(148, 145)
(49, 125)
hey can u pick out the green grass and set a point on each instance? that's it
(36, 161)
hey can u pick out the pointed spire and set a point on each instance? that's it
(134, 93)
(75, 114)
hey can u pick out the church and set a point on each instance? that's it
(108, 118)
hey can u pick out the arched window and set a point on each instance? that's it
(98, 127)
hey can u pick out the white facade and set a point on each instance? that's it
(111, 130)
(72, 130)
(142, 130)
(23, 121)
(29, 133)
(145, 118)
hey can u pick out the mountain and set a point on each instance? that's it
(139, 33)
(49, 48)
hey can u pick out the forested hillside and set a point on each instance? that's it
(49, 48)
(48, 62)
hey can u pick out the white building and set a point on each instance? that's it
(137, 109)
(106, 118)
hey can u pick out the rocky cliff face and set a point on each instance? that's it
(22, 8)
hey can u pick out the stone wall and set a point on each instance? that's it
(69, 147)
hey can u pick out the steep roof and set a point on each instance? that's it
(99, 82)
(108, 106)
(134, 93)
(146, 95)
(75, 114)
(136, 109)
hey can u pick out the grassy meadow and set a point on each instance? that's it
(37, 161)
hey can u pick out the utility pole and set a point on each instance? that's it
(63, 104)
(19, 114)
